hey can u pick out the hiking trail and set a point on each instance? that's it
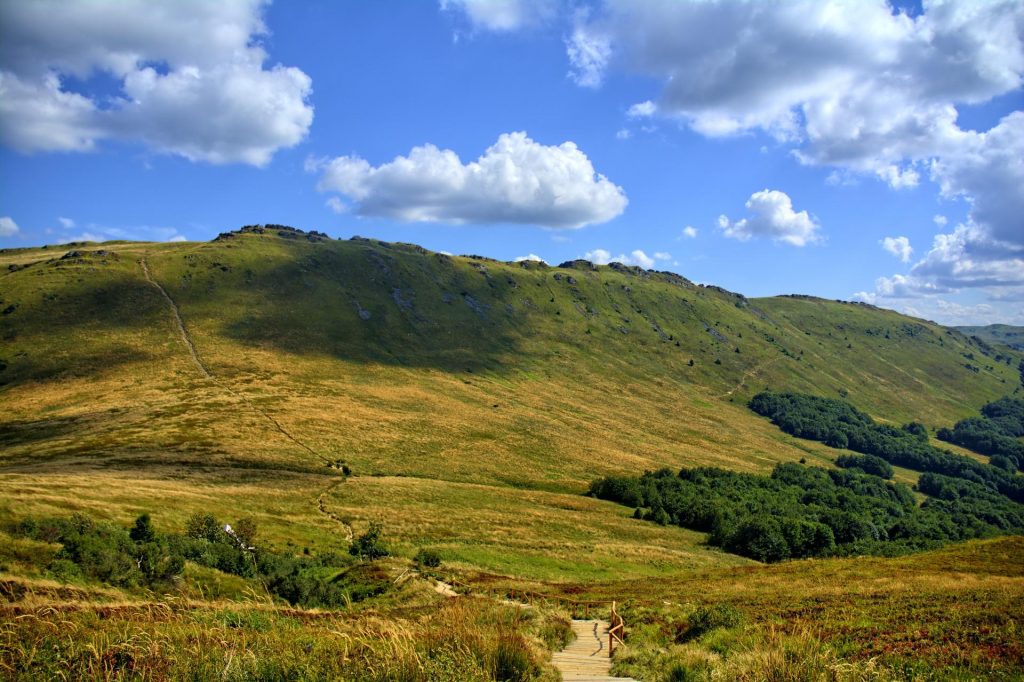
(586, 658)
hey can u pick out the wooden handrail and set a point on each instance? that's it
(616, 630)
(616, 626)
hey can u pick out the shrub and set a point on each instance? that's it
(203, 527)
(708, 618)
(369, 545)
(427, 558)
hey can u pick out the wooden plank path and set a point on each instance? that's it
(586, 659)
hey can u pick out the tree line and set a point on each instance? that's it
(802, 511)
(994, 433)
(838, 424)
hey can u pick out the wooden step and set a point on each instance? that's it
(586, 658)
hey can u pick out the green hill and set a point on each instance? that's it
(469, 401)
(403, 361)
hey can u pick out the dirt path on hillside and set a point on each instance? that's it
(177, 318)
(746, 375)
(322, 508)
(187, 339)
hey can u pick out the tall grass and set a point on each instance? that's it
(459, 640)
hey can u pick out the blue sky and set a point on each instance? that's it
(841, 149)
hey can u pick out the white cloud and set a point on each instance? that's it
(662, 255)
(903, 286)
(503, 15)
(516, 180)
(644, 109)
(7, 226)
(898, 178)
(623, 134)
(940, 220)
(899, 247)
(336, 205)
(604, 257)
(531, 257)
(857, 86)
(170, 60)
(969, 258)
(865, 297)
(66, 223)
(178, 238)
(589, 52)
(773, 216)
(689, 232)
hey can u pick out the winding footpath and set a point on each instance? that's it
(586, 658)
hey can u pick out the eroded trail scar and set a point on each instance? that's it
(177, 318)
(206, 373)
(746, 375)
(322, 506)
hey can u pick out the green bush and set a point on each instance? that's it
(708, 618)
(427, 558)
(369, 545)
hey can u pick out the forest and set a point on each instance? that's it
(840, 425)
(802, 511)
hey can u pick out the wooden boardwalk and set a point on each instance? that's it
(586, 658)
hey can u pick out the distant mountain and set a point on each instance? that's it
(1005, 334)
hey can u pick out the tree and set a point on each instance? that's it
(369, 545)
(143, 531)
(203, 527)
(245, 531)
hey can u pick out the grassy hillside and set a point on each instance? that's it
(470, 402)
(401, 362)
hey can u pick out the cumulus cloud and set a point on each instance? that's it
(854, 79)
(899, 247)
(531, 257)
(856, 86)
(66, 223)
(8, 227)
(689, 232)
(636, 257)
(898, 178)
(517, 180)
(192, 79)
(503, 15)
(772, 216)
(940, 220)
(623, 134)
